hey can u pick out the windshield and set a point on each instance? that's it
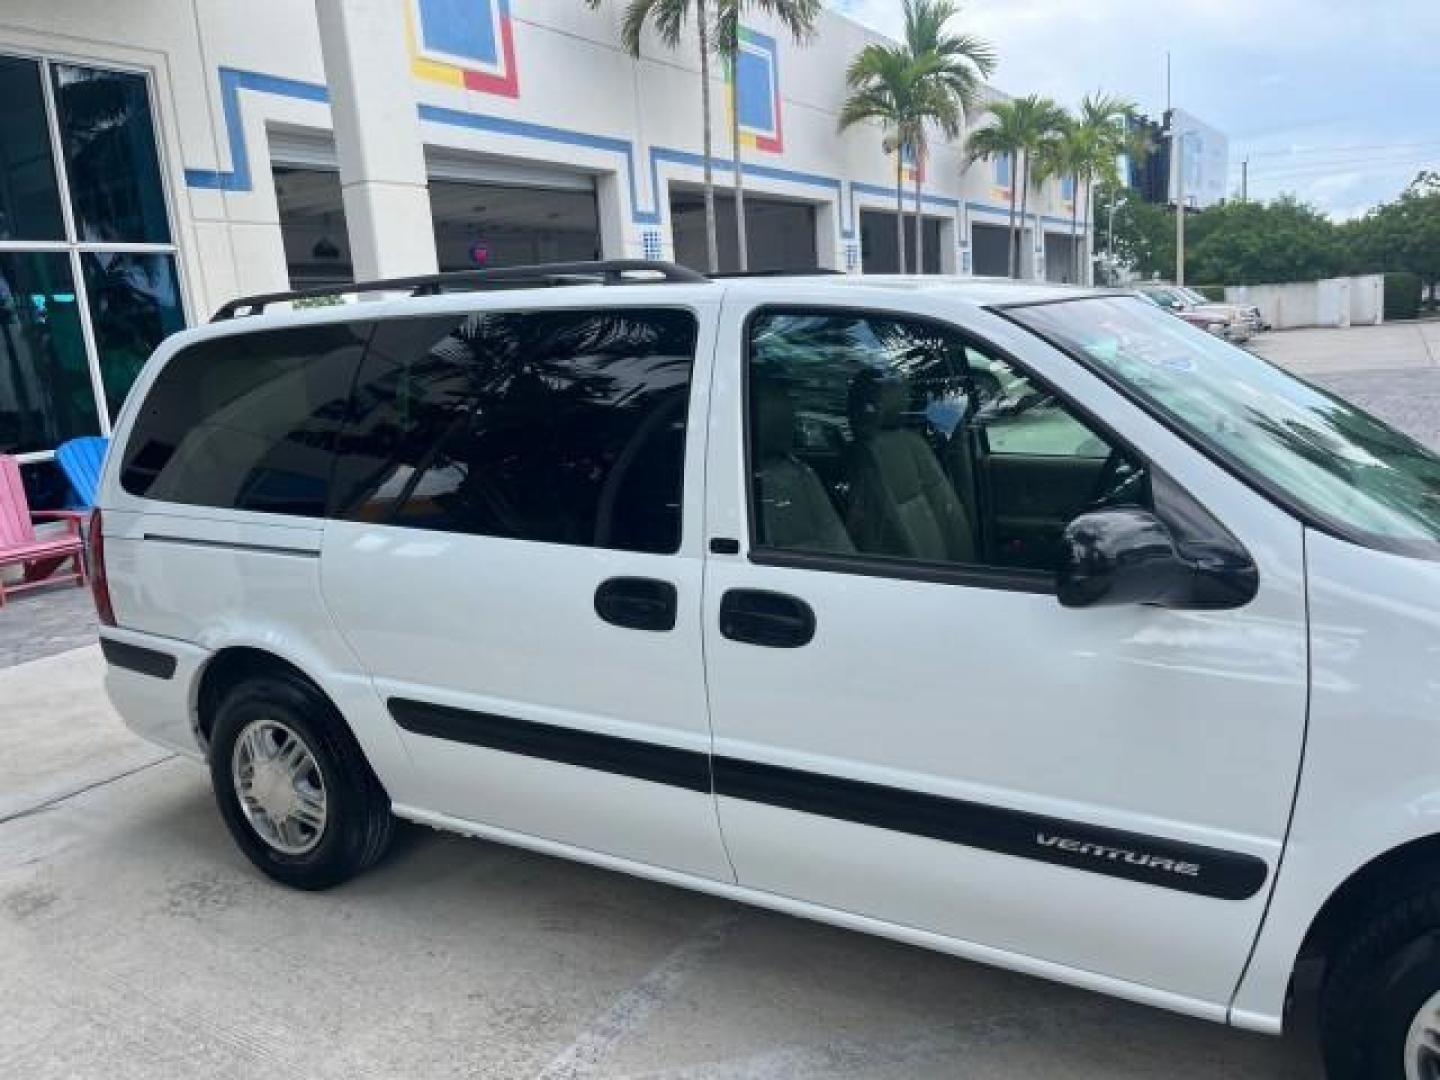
(1166, 298)
(1344, 469)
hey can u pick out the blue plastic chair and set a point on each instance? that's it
(81, 461)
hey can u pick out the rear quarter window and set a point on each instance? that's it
(561, 427)
(248, 421)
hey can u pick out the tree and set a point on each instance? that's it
(1105, 120)
(1017, 130)
(669, 18)
(1143, 237)
(1403, 235)
(1253, 243)
(900, 92)
(960, 64)
(798, 17)
(1063, 155)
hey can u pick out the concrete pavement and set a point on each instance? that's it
(1399, 346)
(136, 942)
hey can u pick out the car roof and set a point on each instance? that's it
(981, 291)
(865, 289)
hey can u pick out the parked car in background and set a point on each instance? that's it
(1249, 312)
(1225, 320)
(1209, 321)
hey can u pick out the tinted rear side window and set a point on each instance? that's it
(248, 421)
(566, 427)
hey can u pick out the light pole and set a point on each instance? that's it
(1110, 271)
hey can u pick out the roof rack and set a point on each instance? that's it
(813, 271)
(546, 275)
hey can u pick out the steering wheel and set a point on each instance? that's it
(1116, 484)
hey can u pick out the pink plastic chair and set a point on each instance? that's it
(19, 545)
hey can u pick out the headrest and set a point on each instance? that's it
(774, 418)
(876, 402)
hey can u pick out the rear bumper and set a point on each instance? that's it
(151, 682)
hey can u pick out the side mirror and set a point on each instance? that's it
(1129, 556)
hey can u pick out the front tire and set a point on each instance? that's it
(1380, 1007)
(293, 786)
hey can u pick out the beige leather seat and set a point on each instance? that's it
(795, 510)
(901, 501)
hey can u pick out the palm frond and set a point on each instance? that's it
(667, 16)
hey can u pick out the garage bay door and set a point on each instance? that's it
(780, 233)
(486, 214)
(990, 247)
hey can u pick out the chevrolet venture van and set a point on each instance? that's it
(1025, 623)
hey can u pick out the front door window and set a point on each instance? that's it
(901, 440)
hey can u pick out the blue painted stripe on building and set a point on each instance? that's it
(889, 193)
(438, 114)
(232, 82)
(1004, 211)
(239, 178)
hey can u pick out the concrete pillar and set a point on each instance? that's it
(614, 241)
(377, 138)
(829, 246)
(949, 246)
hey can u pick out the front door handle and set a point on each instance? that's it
(637, 603)
(769, 619)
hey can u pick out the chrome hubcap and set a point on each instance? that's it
(279, 786)
(1422, 1044)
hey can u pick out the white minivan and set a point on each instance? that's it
(1021, 622)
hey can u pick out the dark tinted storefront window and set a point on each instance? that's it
(108, 136)
(45, 391)
(558, 426)
(29, 196)
(92, 132)
(134, 305)
(247, 421)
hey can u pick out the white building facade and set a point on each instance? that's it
(160, 157)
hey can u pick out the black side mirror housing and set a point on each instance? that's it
(1127, 555)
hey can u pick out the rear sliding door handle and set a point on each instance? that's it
(769, 619)
(637, 603)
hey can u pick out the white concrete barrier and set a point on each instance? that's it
(1344, 301)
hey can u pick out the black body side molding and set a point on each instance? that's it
(688, 769)
(1151, 860)
(152, 662)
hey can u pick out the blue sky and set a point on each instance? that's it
(1337, 102)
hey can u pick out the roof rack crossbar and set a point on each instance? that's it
(546, 275)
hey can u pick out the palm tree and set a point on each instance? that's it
(901, 93)
(669, 18)
(1017, 131)
(964, 61)
(1104, 119)
(1062, 156)
(798, 17)
(884, 84)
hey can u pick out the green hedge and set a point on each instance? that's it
(1402, 295)
(1212, 292)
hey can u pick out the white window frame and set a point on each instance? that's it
(70, 244)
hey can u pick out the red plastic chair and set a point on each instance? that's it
(19, 544)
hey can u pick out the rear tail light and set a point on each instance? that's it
(99, 582)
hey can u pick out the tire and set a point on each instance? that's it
(1379, 983)
(338, 819)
